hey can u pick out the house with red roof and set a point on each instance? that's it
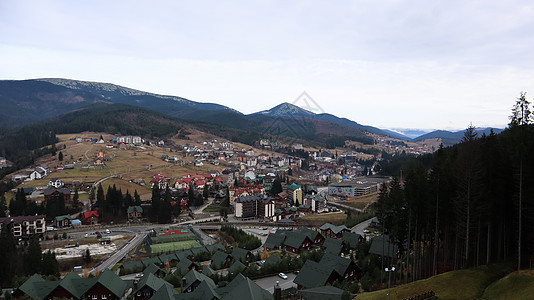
(90, 217)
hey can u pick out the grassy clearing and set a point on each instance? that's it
(176, 246)
(212, 208)
(517, 285)
(461, 284)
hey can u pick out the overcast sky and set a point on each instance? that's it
(391, 64)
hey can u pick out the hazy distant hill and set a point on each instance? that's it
(450, 138)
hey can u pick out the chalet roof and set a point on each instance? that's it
(61, 218)
(272, 259)
(214, 247)
(165, 292)
(152, 268)
(208, 271)
(293, 186)
(37, 288)
(275, 240)
(240, 254)
(194, 276)
(112, 282)
(151, 281)
(132, 209)
(295, 239)
(151, 260)
(340, 264)
(335, 229)
(236, 267)
(333, 245)
(247, 289)
(313, 274)
(351, 239)
(218, 259)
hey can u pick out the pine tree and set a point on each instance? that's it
(60, 156)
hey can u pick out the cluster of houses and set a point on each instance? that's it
(336, 240)
(254, 204)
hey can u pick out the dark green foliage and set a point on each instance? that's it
(87, 256)
(243, 239)
(60, 156)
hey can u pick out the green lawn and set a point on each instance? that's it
(212, 208)
(517, 285)
(463, 284)
(176, 246)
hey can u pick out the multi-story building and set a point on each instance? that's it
(25, 226)
(254, 207)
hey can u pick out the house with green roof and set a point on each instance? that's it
(135, 213)
(204, 291)
(151, 260)
(155, 270)
(171, 258)
(236, 267)
(35, 288)
(346, 268)
(352, 240)
(185, 265)
(314, 274)
(215, 247)
(275, 240)
(106, 286)
(315, 236)
(241, 254)
(148, 285)
(193, 279)
(330, 230)
(166, 292)
(272, 260)
(333, 246)
(220, 260)
(246, 289)
(297, 241)
(63, 221)
(295, 191)
(208, 271)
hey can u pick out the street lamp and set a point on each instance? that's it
(389, 270)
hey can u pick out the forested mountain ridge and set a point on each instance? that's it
(465, 205)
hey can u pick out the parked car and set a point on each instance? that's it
(139, 275)
(108, 231)
(282, 275)
(366, 231)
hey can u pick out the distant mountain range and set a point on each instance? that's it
(26, 102)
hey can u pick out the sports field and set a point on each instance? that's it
(176, 246)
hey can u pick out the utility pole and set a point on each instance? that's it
(389, 270)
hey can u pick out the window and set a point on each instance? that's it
(104, 297)
(94, 297)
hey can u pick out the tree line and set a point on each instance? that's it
(465, 205)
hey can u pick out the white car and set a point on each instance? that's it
(366, 231)
(108, 231)
(139, 275)
(282, 275)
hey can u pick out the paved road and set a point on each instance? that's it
(358, 228)
(269, 282)
(109, 262)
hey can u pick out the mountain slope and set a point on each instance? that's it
(450, 138)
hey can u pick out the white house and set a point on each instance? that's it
(38, 173)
